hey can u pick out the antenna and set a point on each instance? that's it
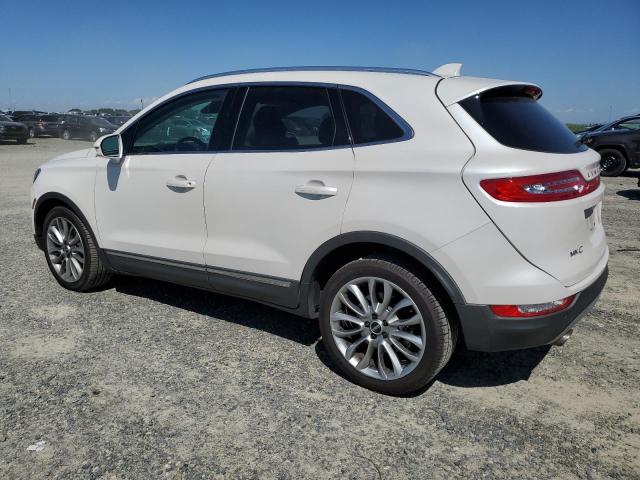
(449, 70)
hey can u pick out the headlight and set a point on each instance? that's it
(587, 140)
(35, 174)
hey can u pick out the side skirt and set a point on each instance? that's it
(277, 292)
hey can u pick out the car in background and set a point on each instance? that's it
(590, 128)
(618, 144)
(39, 125)
(10, 130)
(117, 120)
(85, 127)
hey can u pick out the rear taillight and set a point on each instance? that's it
(532, 310)
(549, 187)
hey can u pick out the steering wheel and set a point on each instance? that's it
(190, 142)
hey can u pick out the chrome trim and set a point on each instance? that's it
(405, 71)
(253, 278)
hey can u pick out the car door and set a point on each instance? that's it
(282, 189)
(149, 207)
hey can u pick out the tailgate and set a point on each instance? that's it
(537, 184)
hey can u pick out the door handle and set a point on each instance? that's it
(180, 181)
(316, 188)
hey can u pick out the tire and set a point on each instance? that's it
(93, 136)
(66, 135)
(32, 133)
(93, 273)
(22, 141)
(437, 333)
(612, 162)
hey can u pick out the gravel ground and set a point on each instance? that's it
(149, 380)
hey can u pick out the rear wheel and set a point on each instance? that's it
(32, 133)
(384, 328)
(612, 162)
(22, 140)
(71, 251)
(93, 136)
(66, 134)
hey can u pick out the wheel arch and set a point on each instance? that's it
(45, 204)
(338, 251)
(621, 147)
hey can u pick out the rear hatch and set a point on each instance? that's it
(532, 177)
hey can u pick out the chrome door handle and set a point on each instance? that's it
(316, 188)
(180, 181)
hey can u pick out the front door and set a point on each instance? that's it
(150, 206)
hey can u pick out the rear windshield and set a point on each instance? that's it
(515, 119)
(49, 118)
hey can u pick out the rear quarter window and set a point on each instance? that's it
(517, 120)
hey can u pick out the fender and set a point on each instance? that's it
(397, 243)
(75, 209)
(621, 146)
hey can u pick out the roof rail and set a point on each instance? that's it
(407, 71)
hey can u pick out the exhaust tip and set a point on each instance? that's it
(563, 339)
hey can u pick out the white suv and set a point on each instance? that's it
(404, 209)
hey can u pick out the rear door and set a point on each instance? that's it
(535, 181)
(282, 189)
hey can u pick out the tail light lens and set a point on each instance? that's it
(549, 187)
(532, 310)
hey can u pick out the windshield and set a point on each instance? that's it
(516, 119)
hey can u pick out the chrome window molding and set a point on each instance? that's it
(403, 124)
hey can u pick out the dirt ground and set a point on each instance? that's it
(149, 380)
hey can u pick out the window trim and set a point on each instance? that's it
(401, 122)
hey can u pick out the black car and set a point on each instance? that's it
(618, 144)
(84, 126)
(10, 130)
(40, 124)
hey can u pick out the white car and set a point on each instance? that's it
(405, 210)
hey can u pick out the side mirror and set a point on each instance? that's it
(110, 146)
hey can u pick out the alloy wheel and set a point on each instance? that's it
(610, 161)
(378, 328)
(65, 249)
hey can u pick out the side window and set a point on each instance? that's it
(632, 124)
(184, 125)
(286, 118)
(368, 122)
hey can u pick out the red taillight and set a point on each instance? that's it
(549, 187)
(533, 310)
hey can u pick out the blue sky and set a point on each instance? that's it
(585, 54)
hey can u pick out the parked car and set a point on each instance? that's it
(117, 120)
(424, 209)
(84, 126)
(20, 113)
(10, 130)
(618, 144)
(590, 128)
(39, 125)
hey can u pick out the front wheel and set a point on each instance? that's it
(93, 136)
(66, 134)
(32, 133)
(384, 328)
(71, 251)
(612, 162)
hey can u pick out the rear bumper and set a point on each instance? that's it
(484, 331)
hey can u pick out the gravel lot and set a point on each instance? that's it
(149, 380)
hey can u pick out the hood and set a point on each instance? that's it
(66, 157)
(12, 124)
